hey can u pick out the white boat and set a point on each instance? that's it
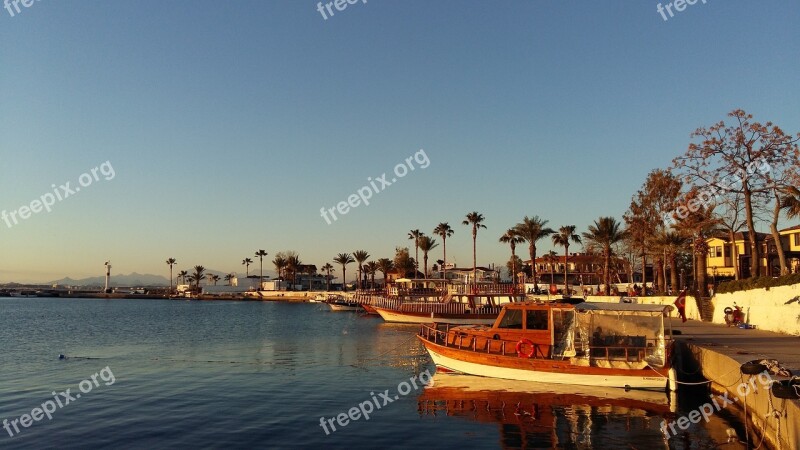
(593, 344)
(338, 302)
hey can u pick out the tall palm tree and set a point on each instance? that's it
(385, 265)
(280, 263)
(292, 266)
(565, 235)
(229, 278)
(416, 235)
(532, 229)
(261, 254)
(182, 275)
(605, 233)
(476, 220)
(551, 258)
(198, 275)
(426, 244)
(444, 231)
(170, 263)
(360, 256)
(328, 268)
(371, 267)
(214, 279)
(671, 243)
(511, 238)
(246, 262)
(697, 227)
(344, 259)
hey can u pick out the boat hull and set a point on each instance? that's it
(543, 371)
(391, 315)
(338, 307)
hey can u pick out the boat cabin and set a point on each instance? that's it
(591, 334)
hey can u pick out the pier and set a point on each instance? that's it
(717, 352)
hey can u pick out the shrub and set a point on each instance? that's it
(757, 283)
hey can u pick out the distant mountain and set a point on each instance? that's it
(133, 279)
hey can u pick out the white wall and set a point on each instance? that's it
(766, 309)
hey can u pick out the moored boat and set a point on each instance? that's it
(593, 344)
(436, 300)
(338, 302)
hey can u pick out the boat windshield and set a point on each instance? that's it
(512, 319)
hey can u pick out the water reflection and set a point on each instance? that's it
(536, 415)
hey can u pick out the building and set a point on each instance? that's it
(584, 267)
(725, 258)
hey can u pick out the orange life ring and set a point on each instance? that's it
(519, 348)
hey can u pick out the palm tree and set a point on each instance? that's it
(697, 227)
(415, 235)
(385, 265)
(229, 278)
(475, 219)
(280, 263)
(328, 268)
(605, 233)
(671, 243)
(214, 279)
(371, 267)
(511, 238)
(532, 229)
(426, 244)
(344, 259)
(261, 254)
(444, 231)
(182, 275)
(360, 256)
(198, 275)
(292, 265)
(565, 235)
(246, 262)
(170, 263)
(791, 202)
(551, 258)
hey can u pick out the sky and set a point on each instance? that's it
(228, 126)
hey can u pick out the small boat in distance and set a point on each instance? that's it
(593, 344)
(339, 302)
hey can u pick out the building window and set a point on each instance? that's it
(797, 239)
(727, 251)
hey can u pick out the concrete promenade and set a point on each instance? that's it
(717, 352)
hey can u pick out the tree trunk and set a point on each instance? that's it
(701, 274)
(734, 254)
(644, 272)
(773, 226)
(474, 256)
(606, 277)
(566, 269)
(444, 255)
(532, 250)
(751, 232)
(513, 268)
(673, 273)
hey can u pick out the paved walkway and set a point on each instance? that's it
(742, 345)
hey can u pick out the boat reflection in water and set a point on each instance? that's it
(538, 415)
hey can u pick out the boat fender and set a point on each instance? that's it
(522, 342)
(496, 337)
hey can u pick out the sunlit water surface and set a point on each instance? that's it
(202, 374)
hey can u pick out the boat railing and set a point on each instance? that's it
(482, 288)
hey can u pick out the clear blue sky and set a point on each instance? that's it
(230, 124)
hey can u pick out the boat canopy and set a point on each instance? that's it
(624, 307)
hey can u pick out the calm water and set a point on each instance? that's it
(261, 375)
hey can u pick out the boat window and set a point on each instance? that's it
(512, 319)
(536, 319)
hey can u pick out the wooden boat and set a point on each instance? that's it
(593, 344)
(436, 300)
